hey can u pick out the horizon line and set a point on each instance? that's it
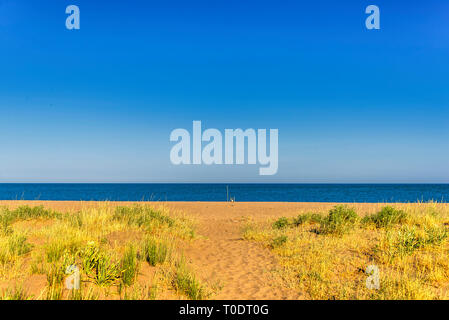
(197, 182)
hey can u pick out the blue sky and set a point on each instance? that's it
(98, 104)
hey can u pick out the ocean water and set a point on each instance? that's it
(220, 192)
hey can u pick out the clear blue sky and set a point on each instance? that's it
(98, 104)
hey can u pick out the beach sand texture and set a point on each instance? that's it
(220, 256)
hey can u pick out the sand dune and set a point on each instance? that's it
(220, 257)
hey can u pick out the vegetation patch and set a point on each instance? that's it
(341, 220)
(17, 293)
(408, 244)
(279, 241)
(129, 265)
(186, 282)
(307, 218)
(406, 240)
(281, 223)
(81, 241)
(155, 251)
(386, 217)
(142, 216)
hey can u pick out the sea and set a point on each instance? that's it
(349, 193)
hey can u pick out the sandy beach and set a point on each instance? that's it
(220, 256)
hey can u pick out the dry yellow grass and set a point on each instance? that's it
(412, 255)
(223, 250)
(122, 253)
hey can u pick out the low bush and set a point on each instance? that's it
(340, 220)
(386, 217)
(99, 266)
(307, 218)
(281, 223)
(278, 241)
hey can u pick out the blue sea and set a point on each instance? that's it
(222, 192)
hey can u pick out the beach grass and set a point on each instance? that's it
(325, 255)
(128, 252)
(152, 251)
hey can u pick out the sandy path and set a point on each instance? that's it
(242, 269)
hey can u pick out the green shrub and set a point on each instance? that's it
(99, 266)
(340, 220)
(107, 272)
(407, 240)
(281, 223)
(307, 218)
(279, 241)
(386, 217)
(436, 236)
(90, 256)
